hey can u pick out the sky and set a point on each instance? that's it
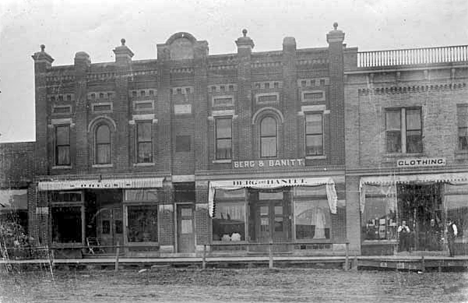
(96, 27)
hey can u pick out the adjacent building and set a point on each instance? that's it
(406, 146)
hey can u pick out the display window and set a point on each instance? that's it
(312, 219)
(67, 217)
(142, 209)
(230, 217)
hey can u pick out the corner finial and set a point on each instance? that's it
(244, 32)
(42, 47)
(335, 25)
(122, 41)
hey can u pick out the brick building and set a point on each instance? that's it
(16, 177)
(166, 155)
(406, 147)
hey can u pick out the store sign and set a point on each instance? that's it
(97, 184)
(269, 163)
(271, 182)
(416, 162)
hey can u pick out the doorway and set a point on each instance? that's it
(420, 205)
(185, 234)
(270, 214)
(110, 228)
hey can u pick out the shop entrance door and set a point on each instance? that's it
(110, 228)
(271, 224)
(421, 207)
(185, 234)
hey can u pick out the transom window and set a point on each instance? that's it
(103, 144)
(403, 130)
(314, 134)
(144, 142)
(268, 137)
(62, 145)
(223, 138)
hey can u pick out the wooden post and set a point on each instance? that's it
(423, 267)
(347, 256)
(204, 257)
(117, 253)
(270, 254)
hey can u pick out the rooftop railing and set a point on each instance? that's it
(413, 56)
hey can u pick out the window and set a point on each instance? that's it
(462, 113)
(103, 144)
(314, 134)
(62, 145)
(144, 142)
(229, 220)
(379, 216)
(142, 223)
(403, 130)
(268, 138)
(183, 143)
(67, 213)
(312, 219)
(223, 138)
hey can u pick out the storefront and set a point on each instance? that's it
(96, 216)
(423, 201)
(293, 211)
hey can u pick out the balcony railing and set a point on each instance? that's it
(413, 56)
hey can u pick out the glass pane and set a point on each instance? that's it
(145, 152)
(142, 223)
(186, 226)
(223, 128)
(141, 195)
(413, 141)
(223, 149)
(270, 195)
(379, 220)
(263, 210)
(312, 219)
(279, 224)
(393, 120)
(103, 134)
(229, 221)
(314, 124)
(413, 119)
(62, 135)
(268, 127)
(314, 145)
(462, 113)
(186, 212)
(268, 147)
(105, 227)
(463, 138)
(66, 225)
(144, 131)
(103, 154)
(63, 155)
(278, 210)
(393, 142)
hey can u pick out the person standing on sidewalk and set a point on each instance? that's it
(404, 235)
(452, 232)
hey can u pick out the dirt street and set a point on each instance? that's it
(232, 285)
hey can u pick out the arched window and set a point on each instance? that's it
(268, 137)
(103, 144)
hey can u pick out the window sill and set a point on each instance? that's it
(401, 155)
(222, 161)
(322, 157)
(62, 167)
(102, 165)
(144, 164)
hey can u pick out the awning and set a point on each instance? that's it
(419, 178)
(271, 184)
(392, 180)
(13, 199)
(101, 184)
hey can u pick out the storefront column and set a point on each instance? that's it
(353, 214)
(166, 222)
(202, 217)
